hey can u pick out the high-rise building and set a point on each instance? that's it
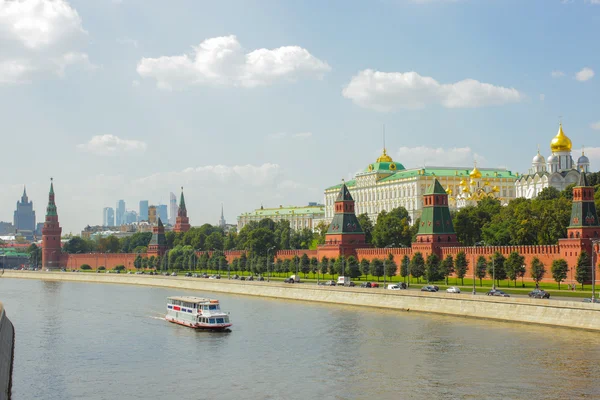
(108, 216)
(120, 212)
(152, 214)
(173, 208)
(130, 217)
(143, 214)
(161, 210)
(24, 217)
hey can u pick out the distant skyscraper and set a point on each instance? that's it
(120, 212)
(24, 217)
(152, 215)
(130, 217)
(172, 209)
(143, 214)
(222, 222)
(161, 210)
(108, 216)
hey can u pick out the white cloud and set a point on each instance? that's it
(585, 74)
(73, 58)
(14, 71)
(221, 61)
(593, 1)
(595, 125)
(557, 74)
(39, 23)
(389, 91)
(414, 157)
(110, 145)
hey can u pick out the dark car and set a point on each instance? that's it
(329, 283)
(188, 274)
(204, 275)
(539, 294)
(365, 284)
(260, 278)
(250, 278)
(236, 276)
(496, 292)
(429, 288)
(351, 284)
(288, 280)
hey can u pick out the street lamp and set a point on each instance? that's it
(268, 269)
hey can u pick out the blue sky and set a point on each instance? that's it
(250, 102)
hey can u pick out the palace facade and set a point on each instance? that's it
(299, 217)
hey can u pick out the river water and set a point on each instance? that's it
(100, 341)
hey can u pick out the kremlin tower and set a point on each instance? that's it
(51, 247)
(158, 243)
(182, 223)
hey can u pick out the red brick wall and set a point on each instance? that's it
(289, 254)
(94, 260)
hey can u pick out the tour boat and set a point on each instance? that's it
(197, 312)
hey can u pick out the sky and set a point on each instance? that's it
(253, 102)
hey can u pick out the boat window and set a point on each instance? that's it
(211, 307)
(212, 320)
(219, 320)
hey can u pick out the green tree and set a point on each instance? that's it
(287, 265)
(514, 265)
(314, 265)
(559, 270)
(461, 265)
(376, 268)
(331, 267)
(583, 272)
(365, 267)
(447, 267)
(469, 221)
(305, 264)
(35, 254)
(85, 267)
(405, 267)
(353, 268)
(214, 241)
(392, 228)
(321, 230)
(432, 268)
(538, 270)
(480, 269)
(417, 266)
(567, 193)
(390, 267)
(340, 266)
(496, 267)
(324, 265)
(242, 265)
(137, 263)
(548, 193)
(367, 226)
(77, 245)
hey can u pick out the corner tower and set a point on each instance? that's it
(584, 218)
(51, 247)
(158, 243)
(182, 223)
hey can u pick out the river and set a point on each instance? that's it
(101, 341)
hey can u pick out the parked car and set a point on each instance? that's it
(260, 278)
(329, 283)
(204, 275)
(250, 278)
(172, 273)
(374, 284)
(496, 292)
(242, 278)
(365, 284)
(343, 281)
(539, 294)
(235, 276)
(429, 288)
(453, 289)
(394, 287)
(188, 274)
(591, 300)
(288, 280)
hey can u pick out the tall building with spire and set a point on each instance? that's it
(24, 216)
(222, 222)
(51, 247)
(172, 209)
(182, 222)
(557, 171)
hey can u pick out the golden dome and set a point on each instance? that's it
(495, 189)
(560, 142)
(466, 190)
(475, 174)
(463, 183)
(473, 183)
(384, 157)
(486, 183)
(449, 191)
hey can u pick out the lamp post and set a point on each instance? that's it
(595, 243)
(268, 263)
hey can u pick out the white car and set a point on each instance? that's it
(393, 287)
(453, 289)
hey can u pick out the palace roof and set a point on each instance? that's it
(291, 210)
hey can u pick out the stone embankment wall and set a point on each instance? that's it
(572, 314)
(7, 346)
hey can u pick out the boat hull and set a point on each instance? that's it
(206, 327)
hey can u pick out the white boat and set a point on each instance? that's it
(197, 313)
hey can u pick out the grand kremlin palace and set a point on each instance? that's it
(386, 184)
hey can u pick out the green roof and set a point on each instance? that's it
(344, 223)
(291, 210)
(344, 194)
(448, 172)
(436, 188)
(436, 220)
(384, 166)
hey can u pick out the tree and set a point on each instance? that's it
(85, 267)
(137, 263)
(214, 241)
(287, 265)
(152, 262)
(321, 230)
(77, 245)
(376, 268)
(461, 265)
(340, 266)
(513, 265)
(583, 272)
(417, 266)
(353, 268)
(35, 254)
(392, 228)
(243, 263)
(331, 267)
(548, 193)
(305, 264)
(432, 268)
(365, 267)
(405, 267)
(559, 270)
(496, 267)
(314, 265)
(279, 266)
(538, 270)
(390, 268)
(480, 269)
(447, 267)
(324, 265)
(367, 226)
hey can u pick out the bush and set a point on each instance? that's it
(119, 268)
(101, 268)
(85, 267)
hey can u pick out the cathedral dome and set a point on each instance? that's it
(560, 142)
(552, 159)
(583, 160)
(475, 174)
(384, 157)
(538, 159)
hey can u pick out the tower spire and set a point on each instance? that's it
(182, 222)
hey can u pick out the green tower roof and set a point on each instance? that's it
(182, 201)
(344, 194)
(583, 182)
(435, 188)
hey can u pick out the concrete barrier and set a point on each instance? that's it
(7, 346)
(572, 314)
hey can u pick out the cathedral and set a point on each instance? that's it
(557, 171)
